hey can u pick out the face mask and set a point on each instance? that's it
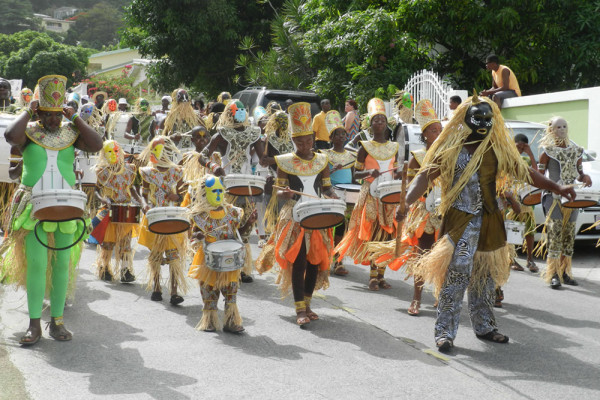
(26, 94)
(157, 150)
(214, 191)
(111, 150)
(86, 111)
(479, 119)
(112, 105)
(560, 128)
(144, 105)
(407, 100)
(239, 111)
(182, 96)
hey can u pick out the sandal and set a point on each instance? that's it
(384, 285)
(414, 307)
(301, 318)
(340, 270)
(233, 328)
(444, 345)
(311, 314)
(494, 336)
(58, 331)
(515, 266)
(374, 284)
(532, 267)
(28, 339)
(176, 299)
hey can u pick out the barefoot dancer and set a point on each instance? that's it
(472, 152)
(304, 256)
(24, 259)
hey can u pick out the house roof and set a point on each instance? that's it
(106, 53)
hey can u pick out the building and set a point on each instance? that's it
(53, 24)
(65, 12)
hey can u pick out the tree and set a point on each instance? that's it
(17, 15)
(550, 45)
(196, 42)
(97, 27)
(30, 55)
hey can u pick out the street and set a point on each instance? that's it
(365, 345)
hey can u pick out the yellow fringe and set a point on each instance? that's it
(103, 259)
(248, 264)
(495, 264)
(432, 267)
(565, 268)
(553, 266)
(271, 214)
(154, 264)
(232, 315)
(209, 319)
(177, 275)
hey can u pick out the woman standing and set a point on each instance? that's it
(351, 119)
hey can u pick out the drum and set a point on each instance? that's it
(514, 232)
(319, 214)
(124, 214)
(530, 195)
(168, 220)
(225, 255)
(58, 204)
(347, 192)
(87, 165)
(244, 185)
(585, 198)
(389, 191)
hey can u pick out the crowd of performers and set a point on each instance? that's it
(200, 185)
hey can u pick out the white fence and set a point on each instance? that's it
(428, 85)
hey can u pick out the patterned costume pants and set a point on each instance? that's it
(210, 295)
(457, 282)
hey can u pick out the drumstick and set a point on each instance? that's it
(389, 170)
(402, 210)
(345, 165)
(296, 192)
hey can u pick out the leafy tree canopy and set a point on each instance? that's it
(16, 15)
(97, 27)
(29, 55)
(196, 42)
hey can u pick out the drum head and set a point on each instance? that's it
(221, 246)
(392, 198)
(322, 221)
(245, 191)
(169, 227)
(532, 198)
(58, 213)
(580, 204)
(351, 187)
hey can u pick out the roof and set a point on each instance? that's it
(106, 53)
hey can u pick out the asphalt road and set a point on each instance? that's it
(365, 345)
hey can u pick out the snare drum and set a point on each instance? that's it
(585, 198)
(389, 192)
(168, 220)
(225, 255)
(58, 204)
(514, 231)
(87, 165)
(319, 214)
(244, 185)
(348, 192)
(124, 214)
(530, 195)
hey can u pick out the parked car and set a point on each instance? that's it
(534, 132)
(253, 97)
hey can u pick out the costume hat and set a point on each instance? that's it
(375, 107)
(258, 113)
(425, 114)
(300, 119)
(99, 93)
(52, 92)
(333, 121)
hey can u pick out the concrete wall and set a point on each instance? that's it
(109, 59)
(581, 109)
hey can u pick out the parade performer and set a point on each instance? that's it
(138, 126)
(304, 256)
(562, 160)
(473, 151)
(163, 185)
(419, 231)
(110, 116)
(372, 220)
(6, 105)
(182, 118)
(115, 186)
(341, 164)
(26, 98)
(48, 146)
(7, 189)
(404, 107)
(235, 140)
(213, 220)
(159, 117)
(98, 99)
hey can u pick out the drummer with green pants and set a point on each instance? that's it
(48, 148)
(341, 163)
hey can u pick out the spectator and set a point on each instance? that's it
(351, 119)
(452, 105)
(505, 84)
(322, 136)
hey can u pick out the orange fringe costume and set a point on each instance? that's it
(371, 220)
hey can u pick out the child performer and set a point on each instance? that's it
(115, 186)
(341, 162)
(303, 255)
(561, 158)
(372, 220)
(213, 220)
(163, 185)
